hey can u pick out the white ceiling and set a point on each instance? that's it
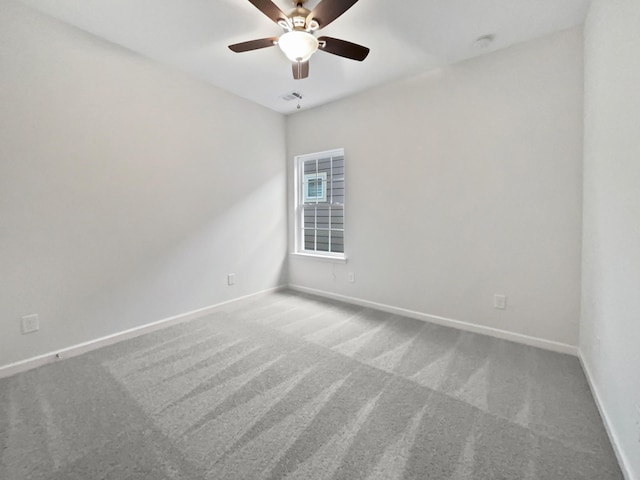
(405, 37)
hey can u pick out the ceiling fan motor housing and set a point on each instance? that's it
(298, 17)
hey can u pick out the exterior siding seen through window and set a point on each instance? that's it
(320, 203)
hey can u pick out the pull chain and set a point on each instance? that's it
(299, 97)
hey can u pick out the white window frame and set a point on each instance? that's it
(301, 195)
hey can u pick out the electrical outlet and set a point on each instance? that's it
(500, 302)
(231, 279)
(30, 323)
(352, 277)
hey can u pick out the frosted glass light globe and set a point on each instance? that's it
(297, 45)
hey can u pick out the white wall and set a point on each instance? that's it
(127, 190)
(461, 184)
(610, 324)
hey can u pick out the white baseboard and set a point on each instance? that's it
(447, 322)
(79, 349)
(613, 438)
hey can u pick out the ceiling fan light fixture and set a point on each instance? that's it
(284, 24)
(298, 45)
(298, 42)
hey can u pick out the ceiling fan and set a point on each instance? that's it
(298, 41)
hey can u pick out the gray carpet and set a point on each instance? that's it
(287, 386)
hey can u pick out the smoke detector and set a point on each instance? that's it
(483, 42)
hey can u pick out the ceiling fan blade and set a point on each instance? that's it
(328, 10)
(254, 44)
(343, 48)
(300, 70)
(270, 9)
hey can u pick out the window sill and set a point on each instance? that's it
(320, 258)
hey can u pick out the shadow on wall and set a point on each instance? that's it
(173, 262)
(186, 267)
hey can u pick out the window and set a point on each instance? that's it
(320, 204)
